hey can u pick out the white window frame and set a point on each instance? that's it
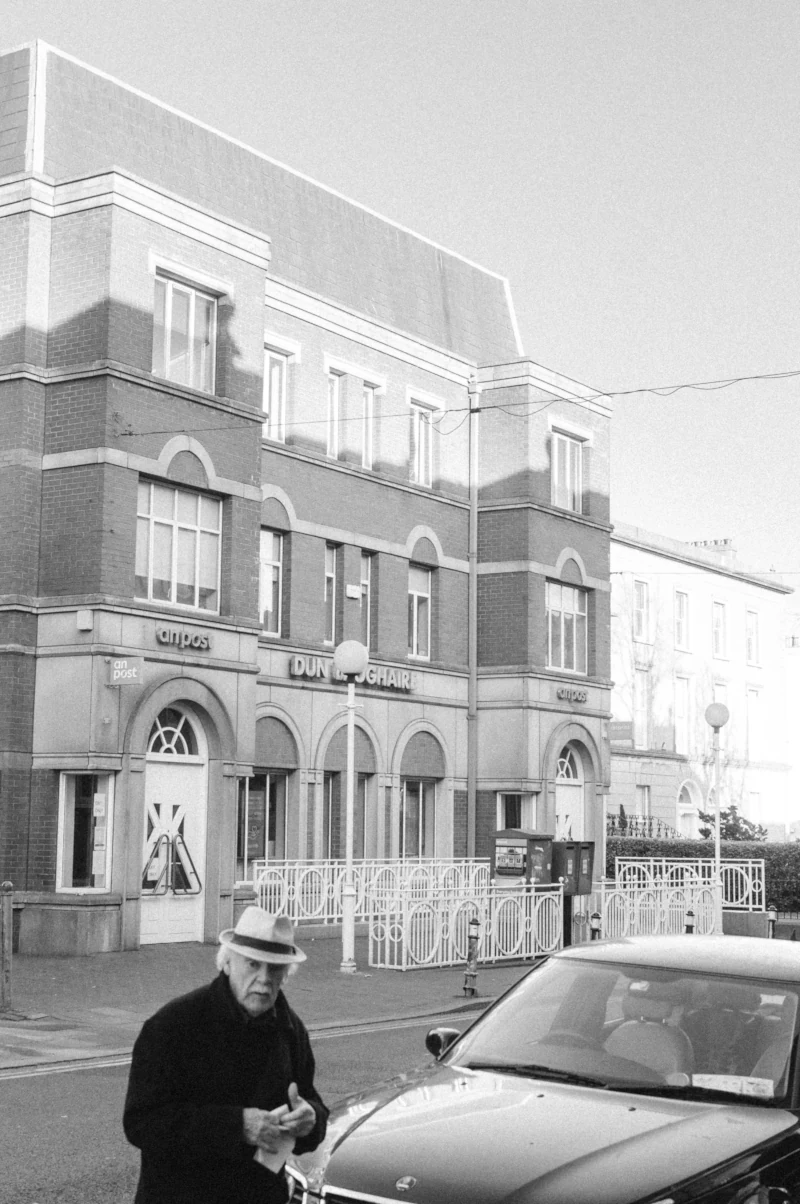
(427, 806)
(641, 611)
(681, 620)
(366, 597)
(752, 643)
(555, 595)
(334, 405)
(719, 630)
(527, 820)
(755, 724)
(416, 598)
(641, 708)
(62, 859)
(421, 442)
(274, 425)
(682, 720)
(368, 396)
(642, 802)
(176, 525)
(271, 568)
(329, 596)
(200, 376)
(566, 475)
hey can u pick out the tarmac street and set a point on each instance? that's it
(88, 1008)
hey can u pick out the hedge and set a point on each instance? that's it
(781, 861)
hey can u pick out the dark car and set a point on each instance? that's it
(648, 1070)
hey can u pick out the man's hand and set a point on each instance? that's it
(300, 1119)
(267, 1129)
(263, 1129)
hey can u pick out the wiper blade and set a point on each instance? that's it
(537, 1070)
(689, 1092)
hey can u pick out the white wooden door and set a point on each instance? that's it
(174, 858)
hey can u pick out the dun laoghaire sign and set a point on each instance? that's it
(314, 667)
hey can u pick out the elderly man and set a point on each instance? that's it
(222, 1079)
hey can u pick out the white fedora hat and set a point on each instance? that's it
(263, 938)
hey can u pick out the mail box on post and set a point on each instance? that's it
(585, 867)
(573, 860)
(519, 856)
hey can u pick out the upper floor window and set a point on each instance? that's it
(752, 637)
(271, 581)
(681, 620)
(682, 715)
(330, 593)
(184, 334)
(421, 443)
(566, 627)
(366, 597)
(178, 539)
(367, 419)
(334, 399)
(567, 472)
(641, 610)
(276, 371)
(641, 708)
(719, 631)
(419, 611)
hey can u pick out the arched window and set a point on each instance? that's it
(172, 735)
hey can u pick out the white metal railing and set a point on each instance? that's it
(311, 891)
(742, 879)
(656, 910)
(517, 923)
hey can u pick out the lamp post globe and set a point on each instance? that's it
(350, 658)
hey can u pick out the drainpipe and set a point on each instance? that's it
(472, 622)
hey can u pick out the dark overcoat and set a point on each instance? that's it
(197, 1063)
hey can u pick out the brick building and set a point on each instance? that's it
(242, 419)
(690, 626)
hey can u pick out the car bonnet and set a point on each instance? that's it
(476, 1137)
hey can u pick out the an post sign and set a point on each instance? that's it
(571, 694)
(315, 667)
(125, 670)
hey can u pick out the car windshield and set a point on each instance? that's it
(637, 1028)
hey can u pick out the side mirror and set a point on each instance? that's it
(439, 1040)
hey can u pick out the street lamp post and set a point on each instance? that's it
(350, 659)
(717, 715)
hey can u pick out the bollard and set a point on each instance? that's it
(772, 920)
(595, 923)
(689, 922)
(471, 972)
(6, 928)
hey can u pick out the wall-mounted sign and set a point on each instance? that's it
(183, 637)
(125, 671)
(315, 667)
(570, 694)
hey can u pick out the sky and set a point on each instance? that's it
(630, 165)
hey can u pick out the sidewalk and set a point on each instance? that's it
(70, 1009)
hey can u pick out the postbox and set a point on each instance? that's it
(521, 856)
(573, 860)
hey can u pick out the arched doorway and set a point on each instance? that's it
(334, 803)
(174, 855)
(688, 806)
(570, 817)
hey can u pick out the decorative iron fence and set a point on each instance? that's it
(641, 826)
(516, 923)
(742, 880)
(311, 891)
(638, 910)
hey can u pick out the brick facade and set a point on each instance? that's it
(93, 408)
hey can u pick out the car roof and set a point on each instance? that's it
(746, 956)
